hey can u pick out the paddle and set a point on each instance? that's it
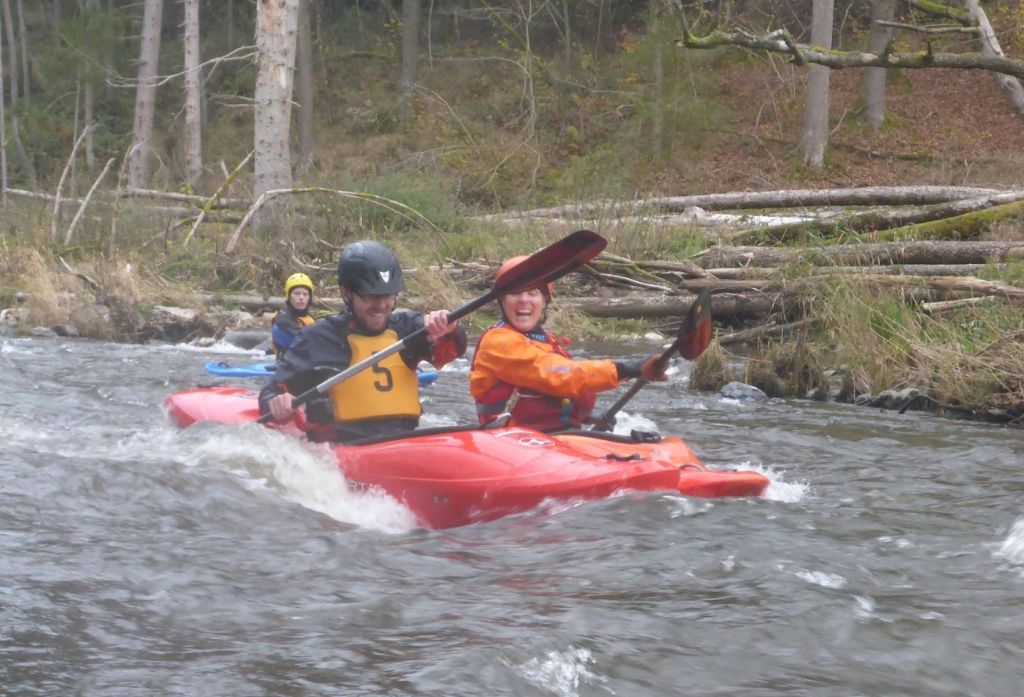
(693, 337)
(549, 264)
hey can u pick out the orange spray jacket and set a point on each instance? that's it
(534, 379)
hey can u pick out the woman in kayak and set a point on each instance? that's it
(522, 372)
(383, 399)
(298, 296)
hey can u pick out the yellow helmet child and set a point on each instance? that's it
(298, 280)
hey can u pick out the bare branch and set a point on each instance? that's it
(938, 29)
(780, 41)
(81, 209)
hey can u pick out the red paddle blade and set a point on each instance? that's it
(551, 263)
(695, 331)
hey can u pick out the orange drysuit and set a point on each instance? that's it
(531, 377)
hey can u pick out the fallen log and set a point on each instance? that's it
(724, 306)
(943, 306)
(871, 221)
(766, 330)
(745, 200)
(960, 227)
(912, 252)
(769, 272)
(961, 284)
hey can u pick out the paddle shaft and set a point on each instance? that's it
(604, 423)
(549, 264)
(692, 338)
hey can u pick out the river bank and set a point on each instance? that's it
(883, 317)
(793, 361)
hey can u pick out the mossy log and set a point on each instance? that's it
(961, 227)
(871, 221)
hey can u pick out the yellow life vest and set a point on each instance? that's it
(303, 320)
(388, 389)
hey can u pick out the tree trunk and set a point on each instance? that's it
(276, 26)
(193, 109)
(410, 56)
(26, 66)
(815, 136)
(12, 50)
(990, 47)
(658, 85)
(873, 86)
(304, 88)
(89, 103)
(3, 127)
(145, 93)
(88, 112)
(567, 43)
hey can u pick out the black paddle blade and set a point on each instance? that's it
(695, 331)
(551, 263)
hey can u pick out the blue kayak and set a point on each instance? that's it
(266, 370)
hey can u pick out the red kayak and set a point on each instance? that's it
(459, 475)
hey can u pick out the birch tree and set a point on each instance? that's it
(276, 24)
(193, 119)
(145, 93)
(815, 136)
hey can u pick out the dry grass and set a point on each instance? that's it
(711, 370)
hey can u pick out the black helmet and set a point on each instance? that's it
(369, 268)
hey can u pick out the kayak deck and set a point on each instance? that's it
(459, 475)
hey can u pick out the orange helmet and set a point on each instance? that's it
(547, 289)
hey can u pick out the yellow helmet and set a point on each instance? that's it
(297, 280)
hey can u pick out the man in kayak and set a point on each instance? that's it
(522, 372)
(298, 297)
(383, 399)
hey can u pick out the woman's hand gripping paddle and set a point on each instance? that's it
(549, 264)
(693, 337)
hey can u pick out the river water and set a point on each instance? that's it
(887, 557)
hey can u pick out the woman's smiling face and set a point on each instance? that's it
(525, 310)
